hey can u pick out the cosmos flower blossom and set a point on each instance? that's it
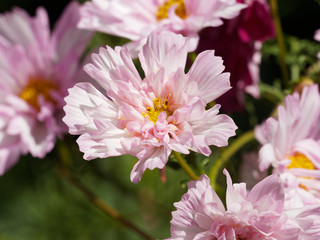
(258, 214)
(290, 143)
(238, 41)
(135, 20)
(36, 69)
(317, 38)
(151, 118)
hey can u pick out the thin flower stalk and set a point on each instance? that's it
(184, 165)
(227, 154)
(280, 40)
(99, 203)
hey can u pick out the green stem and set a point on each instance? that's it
(227, 154)
(192, 56)
(64, 153)
(184, 165)
(98, 202)
(280, 41)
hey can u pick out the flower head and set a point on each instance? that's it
(317, 38)
(238, 42)
(136, 19)
(36, 69)
(290, 142)
(150, 118)
(258, 214)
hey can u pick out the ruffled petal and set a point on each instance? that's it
(163, 50)
(67, 38)
(110, 65)
(206, 71)
(84, 104)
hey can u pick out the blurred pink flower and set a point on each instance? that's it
(136, 19)
(249, 171)
(238, 42)
(35, 70)
(259, 214)
(317, 38)
(290, 143)
(150, 118)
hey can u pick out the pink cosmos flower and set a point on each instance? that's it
(317, 38)
(249, 171)
(150, 118)
(259, 214)
(35, 70)
(238, 41)
(290, 143)
(136, 19)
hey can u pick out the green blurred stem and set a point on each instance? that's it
(280, 40)
(184, 165)
(64, 153)
(98, 202)
(192, 56)
(227, 154)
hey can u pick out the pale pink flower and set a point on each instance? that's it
(249, 171)
(150, 118)
(317, 35)
(36, 69)
(258, 214)
(317, 38)
(238, 41)
(290, 143)
(136, 19)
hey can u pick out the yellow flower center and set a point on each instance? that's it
(36, 87)
(163, 10)
(158, 107)
(299, 160)
(303, 187)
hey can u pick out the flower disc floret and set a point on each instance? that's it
(38, 87)
(158, 107)
(299, 160)
(180, 11)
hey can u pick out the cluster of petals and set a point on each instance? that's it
(238, 41)
(151, 117)
(135, 20)
(291, 143)
(258, 214)
(36, 68)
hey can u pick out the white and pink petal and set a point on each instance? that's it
(206, 72)
(110, 65)
(84, 104)
(164, 50)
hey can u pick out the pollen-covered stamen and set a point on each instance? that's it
(163, 10)
(299, 160)
(35, 88)
(158, 107)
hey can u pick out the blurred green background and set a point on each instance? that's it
(37, 203)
